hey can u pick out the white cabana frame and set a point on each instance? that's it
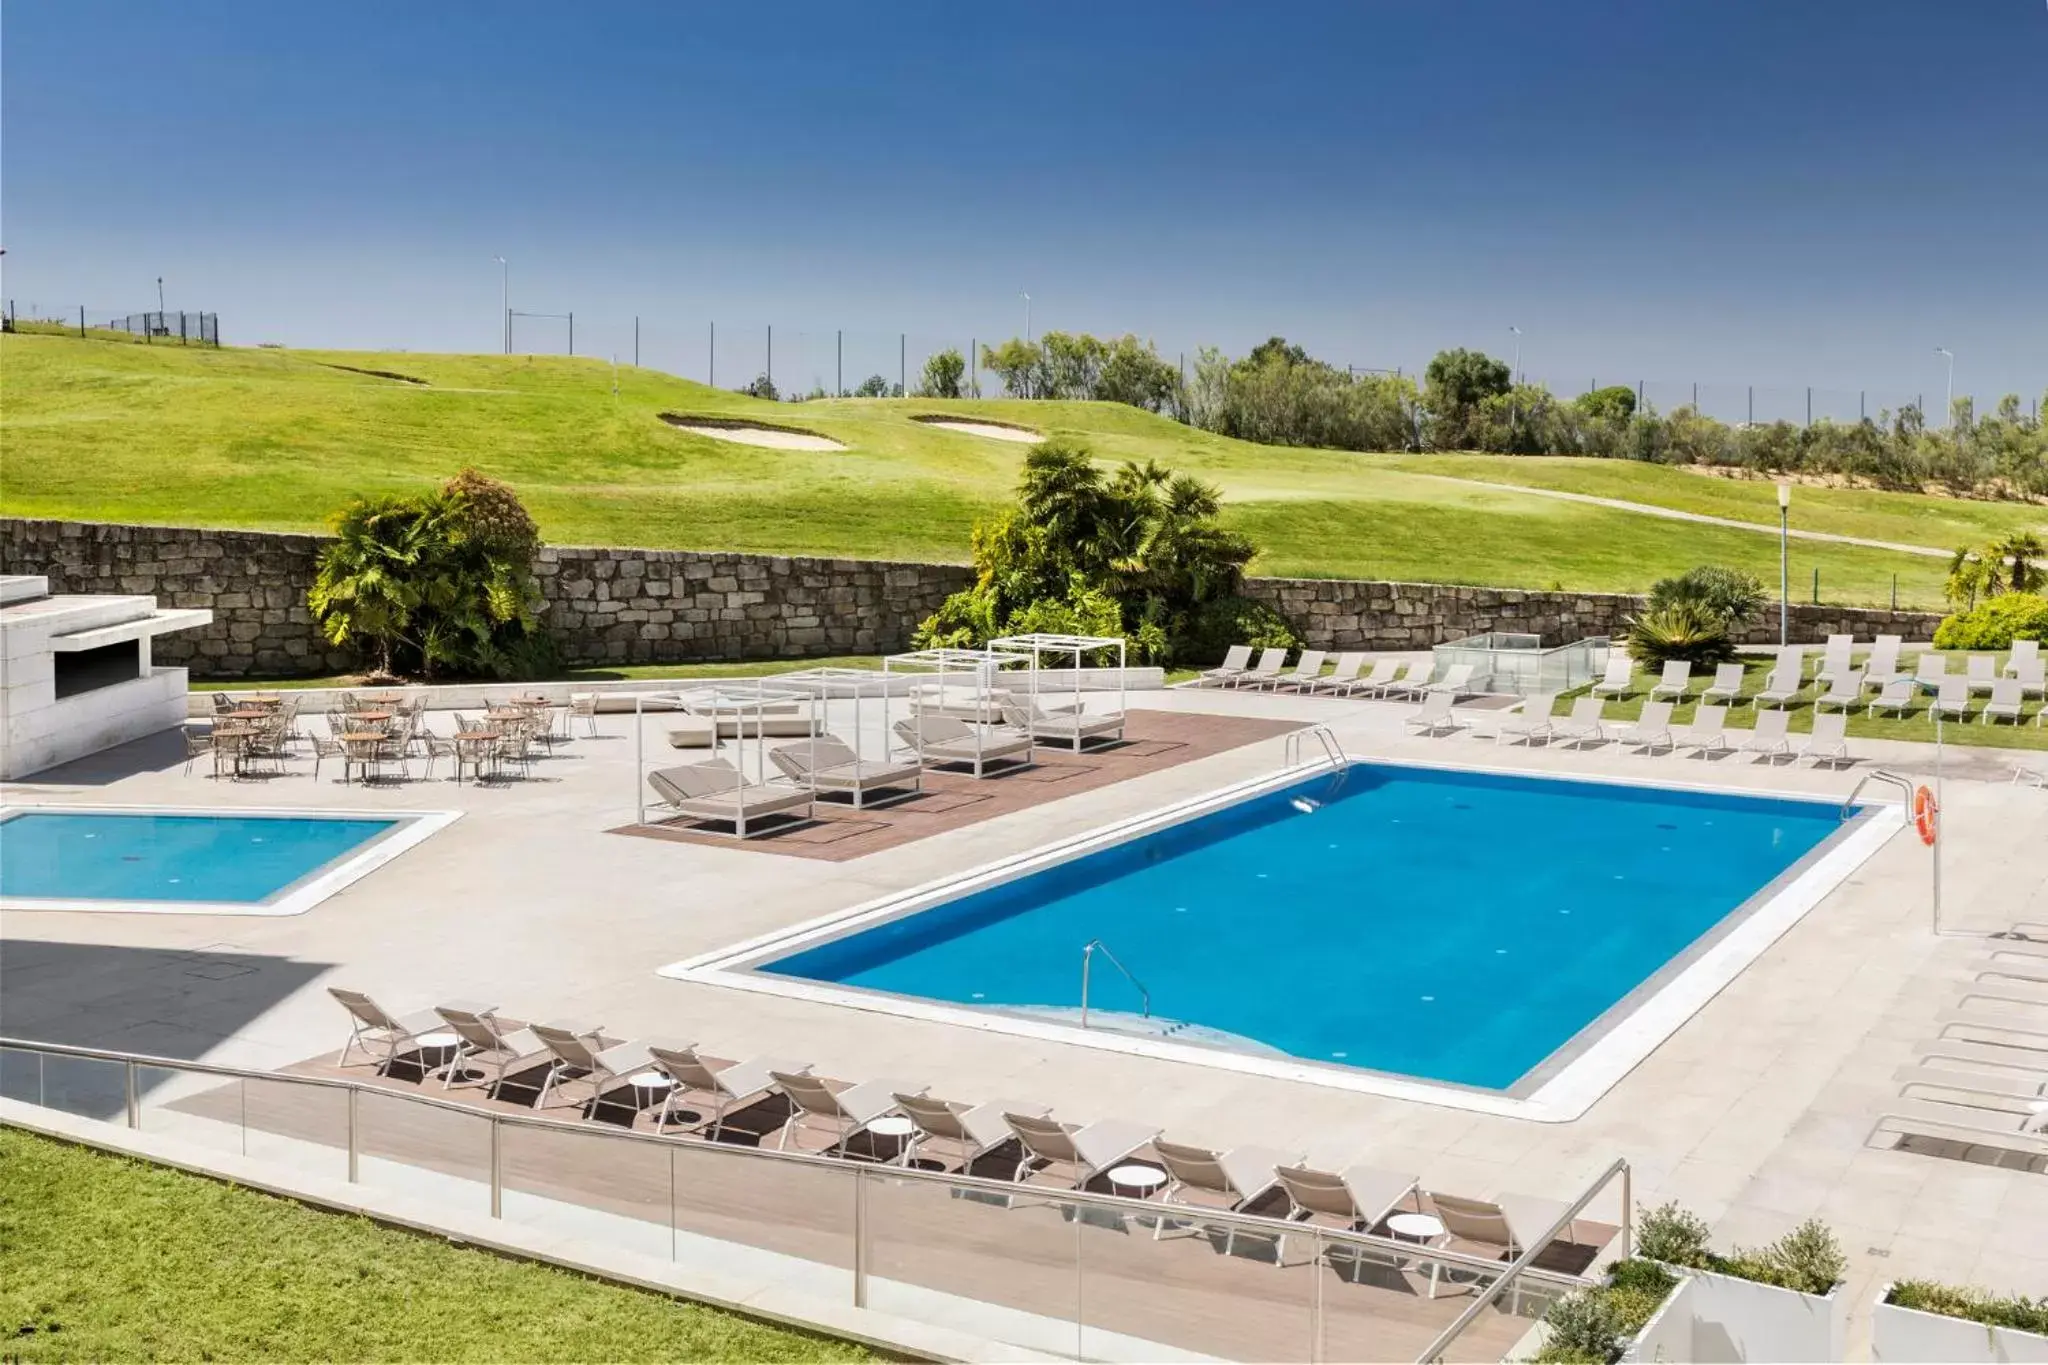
(979, 666)
(737, 698)
(1040, 644)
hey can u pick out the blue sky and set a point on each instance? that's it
(1773, 193)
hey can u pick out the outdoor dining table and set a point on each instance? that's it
(473, 747)
(353, 741)
(370, 717)
(246, 713)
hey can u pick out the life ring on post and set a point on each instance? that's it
(1926, 816)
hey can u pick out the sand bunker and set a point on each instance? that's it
(751, 433)
(994, 431)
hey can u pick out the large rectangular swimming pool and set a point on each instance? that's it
(193, 861)
(1468, 928)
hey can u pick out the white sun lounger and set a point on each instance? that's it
(1969, 1123)
(2033, 777)
(946, 740)
(1897, 697)
(1677, 676)
(1066, 727)
(1883, 664)
(1726, 686)
(1621, 671)
(1931, 668)
(1262, 673)
(1770, 735)
(1435, 716)
(1456, 681)
(1829, 741)
(1708, 732)
(2031, 675)
(1071, 1154)
(2024, 652)
(1844, 690)
(488, 1041)
(1834, 660)
(953, 1136)
(1952, 701)
(1652, 730)
(2005, 703)
(829, 764)
(1413, 683)
(1380, 679)
(1963, 1080)
(1532, 722)
(1236, 661)
(1780, 688)
(826, 1116)
(1233, 1180)
(379, 1034)
(593, 1061)
(721, 1089)
(1982, 672)
(1307, 669)
(1342, 678)
(714, 791)
(1585, 724)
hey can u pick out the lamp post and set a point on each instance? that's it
(505, 299)
(1518, 353)
(1027, 318)
(1948, 412)
(1784, 564)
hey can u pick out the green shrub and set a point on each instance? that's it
(1682, 631)
(1213, 627)
(1996, 623)
(1730, 596)
(1674, 1235)
(1583, 1327)
(1807, 1259)
(1993, 1310)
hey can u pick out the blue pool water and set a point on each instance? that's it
(1452, 926)
(67, 855)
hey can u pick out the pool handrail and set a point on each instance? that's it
(1088, 951)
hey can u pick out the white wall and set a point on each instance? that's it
(1711, 1319)
(1906, 1334)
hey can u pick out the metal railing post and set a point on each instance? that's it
(354, 1139)
(1315, 1309)
(1628, 1215)
(498, 1170)
(860, 1236)
(128, 1093)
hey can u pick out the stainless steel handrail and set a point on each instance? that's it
(1521, 1263)
(1290, 754)
(1877, 775)
(1088, 952)
(1250, 1223)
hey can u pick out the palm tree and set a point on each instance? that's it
(2018, 562)
(365, 592)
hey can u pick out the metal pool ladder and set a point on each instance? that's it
(1322, 734)
(1878, 775)
(1096, 945)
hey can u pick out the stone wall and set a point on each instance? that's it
(662, 606)
(1339, 614)
(605, 606)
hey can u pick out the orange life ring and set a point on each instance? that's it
(1925, 815)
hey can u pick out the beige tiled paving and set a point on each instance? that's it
(1755, 1112)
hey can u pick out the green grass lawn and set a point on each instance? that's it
(277, 439)
(1916, 725)
(107, 1259)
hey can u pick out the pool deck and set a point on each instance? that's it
(1755, 1112)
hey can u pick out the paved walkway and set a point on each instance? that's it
(1674, 514)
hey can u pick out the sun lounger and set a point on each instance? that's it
(1677, 676)
(1769, 737)
(1967, 1123)
(950, 1136)
(828, 1115)
(1829, 741)
(1952, 701)
(507, 1047)
(1236, 662)
(1780, 688)
(1355, 1199)
(1982, 672)
(1307, 669)
(1072, 727)
(1652, 730)
(1931, 668)
(1980, 1022)
(714, 791)
(584, 1054)
(1532, 722)
(1708, 732)
(1883, 664)
(1475, 1227)
(2005, 703)
(2031, 675)
(1844, 690)
(2033, 777)
(1343, 678)
(1897, 697)
(1965, 1081)
(381, 1035)
(1413, 683)
(946, 740)
(829, 764)
(2024, 652)
(721, 1088)
(1262, 673)
(1621, 671)
(1726, 686)
(1071, 1155)
(1380, 679)
(1835, 659)
(1201, 1177)
(1585, 724)
(1995, 1058)
(1456, 681)
(1435, 716)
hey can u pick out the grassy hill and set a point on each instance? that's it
(112, 430)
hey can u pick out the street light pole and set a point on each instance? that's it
(1518, 353)
(1027, 319)
(1784, 564)
(159, 296)
(1949, 412)
(505, 299)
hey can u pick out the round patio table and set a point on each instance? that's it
(473, 746)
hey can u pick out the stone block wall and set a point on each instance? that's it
(668, 606)
(1340, 614)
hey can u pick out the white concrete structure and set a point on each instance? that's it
(75, 673)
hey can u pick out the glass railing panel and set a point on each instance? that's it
(424, 1150)
(291, 1123)
(749, 1215)
(579, 1182)
(88, 1087)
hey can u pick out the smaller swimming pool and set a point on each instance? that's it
(194, 862)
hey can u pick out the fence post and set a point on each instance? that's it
(1752, 406)
(636, 341)
(860, 1237)
(128, 1093)
(839, 363)
(1695, 397)
(974, 367)
(1639, 395)
(1895, 592)
(770, 371)
(572, 332)
(81, 322)
(1809, 405)
(181, 328)
(1862, 408)
(353, 1149)
(497, 1170)
(902, 364)
(711, 364)
(1816, 585)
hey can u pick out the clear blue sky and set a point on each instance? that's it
(1726, 191)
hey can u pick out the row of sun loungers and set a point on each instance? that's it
(1651, 732)
(1389, 678)
(1845, 688)
(1979, 1089)
(895, 1122)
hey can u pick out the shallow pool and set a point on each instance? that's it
(74, 856)
(1459, 927)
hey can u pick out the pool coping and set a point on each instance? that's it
(409, 829)
(1594, 1059)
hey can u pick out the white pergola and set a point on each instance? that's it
(1040, 644)
(978, 666)
(737, 699)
